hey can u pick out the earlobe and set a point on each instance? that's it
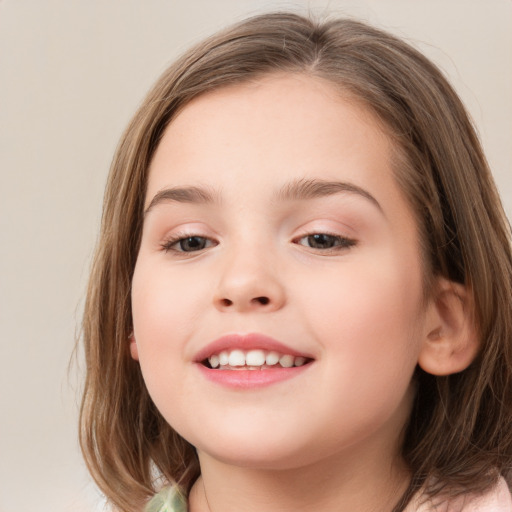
(134, 351)
(451, 340)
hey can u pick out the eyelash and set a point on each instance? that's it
(167, 246)
(340, 243)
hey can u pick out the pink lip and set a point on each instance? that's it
(245, 342)
(248, 379)
(251, 379)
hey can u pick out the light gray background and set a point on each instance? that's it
(71, 74)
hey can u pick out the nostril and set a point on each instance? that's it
(256, 301)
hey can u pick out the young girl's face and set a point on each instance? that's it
(274, 228)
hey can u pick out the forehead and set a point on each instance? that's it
(270, 128)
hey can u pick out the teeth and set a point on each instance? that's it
(286, 361)
(236, 358)
(300, 361)
(223, 358)
(272, 358)
(254, 359)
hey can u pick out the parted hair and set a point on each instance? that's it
(459, 435)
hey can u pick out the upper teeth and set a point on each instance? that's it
(254, 358)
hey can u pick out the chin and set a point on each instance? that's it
(259, 459)
(259, 452)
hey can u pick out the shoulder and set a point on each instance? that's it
(169, 499)
(497, 499)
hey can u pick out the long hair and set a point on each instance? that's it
(459, 434)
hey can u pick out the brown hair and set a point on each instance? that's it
(459, 436)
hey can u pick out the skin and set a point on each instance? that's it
(329, 438)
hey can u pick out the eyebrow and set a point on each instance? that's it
(297, 190)
(313, 188)
(196, 195)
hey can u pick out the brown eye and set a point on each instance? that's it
(324, 241)
(192, 243)
(188, 244)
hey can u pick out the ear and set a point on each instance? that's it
(451, 341)
(134, 351)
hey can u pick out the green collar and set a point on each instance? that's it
(167, 500)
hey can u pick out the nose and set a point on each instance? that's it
(249, 284)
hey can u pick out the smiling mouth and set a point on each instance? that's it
(256, 359)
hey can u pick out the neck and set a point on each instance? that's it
(332, 487)
(368, 476)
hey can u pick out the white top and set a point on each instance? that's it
(496, 500)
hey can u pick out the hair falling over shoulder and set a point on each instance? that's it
(459, 436)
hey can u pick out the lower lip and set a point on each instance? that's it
(251, 379)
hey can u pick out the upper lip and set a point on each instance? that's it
(251, 341)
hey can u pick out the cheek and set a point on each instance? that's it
(163, 300)
(158, 311)
(371, 315)
(161, 307)
(372, 329)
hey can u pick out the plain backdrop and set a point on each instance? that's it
(71, 75)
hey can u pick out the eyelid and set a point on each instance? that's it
(172, 239)
(347, 242)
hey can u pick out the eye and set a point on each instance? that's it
(192, 243)
(325, 241)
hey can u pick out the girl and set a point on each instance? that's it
(301, 297)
